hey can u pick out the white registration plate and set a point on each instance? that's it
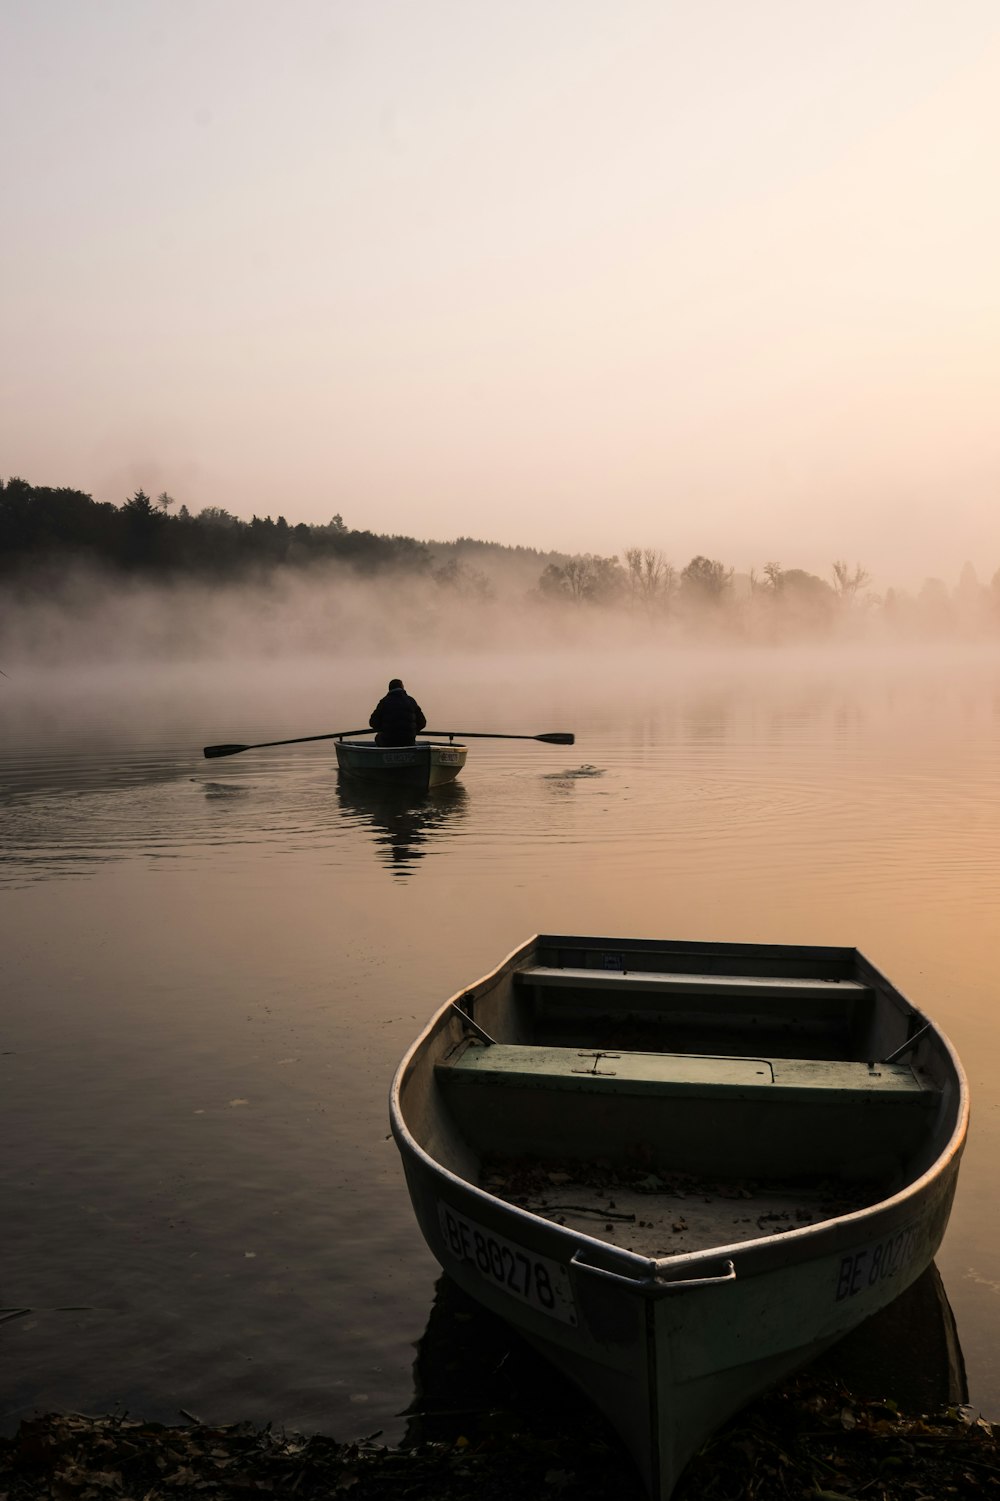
(449, 758)
(536, 1280)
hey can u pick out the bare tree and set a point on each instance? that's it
(584, 579)
(848, 584)
(651, 578)
(633, 572)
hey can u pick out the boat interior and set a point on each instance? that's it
(668, 1106)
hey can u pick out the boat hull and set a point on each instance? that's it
(669, 1346)
(421, 766)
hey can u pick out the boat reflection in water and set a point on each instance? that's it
(475, 1377)
(403, 821)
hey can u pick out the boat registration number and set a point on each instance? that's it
(449, 758)
(536, 1280)
(399, 758)
(877, 1263)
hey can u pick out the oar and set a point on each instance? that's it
(234, 750)
(211, 751)
(553, 739)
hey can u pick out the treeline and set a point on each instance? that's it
(42, 524)
(774, 601)
(42, 528)
(706, 590)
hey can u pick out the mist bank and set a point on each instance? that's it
(89, 581)
(74, 613)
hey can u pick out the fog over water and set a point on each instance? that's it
(53, 614)
(710, 283)
(212, 967)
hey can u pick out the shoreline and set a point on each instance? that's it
(810, 1438)
(883, 1415)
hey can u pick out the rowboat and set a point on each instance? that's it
(681, 1170)
(425, 764)
(421, 766)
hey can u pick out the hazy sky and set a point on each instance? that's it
(720, 276)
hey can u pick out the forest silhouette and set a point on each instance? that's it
(49, 533)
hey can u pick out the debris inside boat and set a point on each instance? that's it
(660, 1212)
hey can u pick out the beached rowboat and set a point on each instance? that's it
(422, 766)
(682, 1170)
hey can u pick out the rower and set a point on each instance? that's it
(397, 718)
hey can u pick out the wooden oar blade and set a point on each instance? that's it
(557, 739)
(211, 751)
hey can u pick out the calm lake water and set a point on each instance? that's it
(211, 969)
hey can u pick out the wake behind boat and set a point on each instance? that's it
(682, 1170)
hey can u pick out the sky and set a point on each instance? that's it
(716, 277)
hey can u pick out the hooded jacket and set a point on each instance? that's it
(397, 718)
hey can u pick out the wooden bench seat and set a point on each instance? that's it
(791, 1016)
(719, 1115)
(530, 1067)
(648, 982)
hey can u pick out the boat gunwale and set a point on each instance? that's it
(754, 1254)
(365, 745)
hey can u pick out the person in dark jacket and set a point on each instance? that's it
(397, 718)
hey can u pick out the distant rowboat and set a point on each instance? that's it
(425, 764)
(421, 766)
(682, 1170)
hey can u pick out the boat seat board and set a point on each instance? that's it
(656, 983)
(521, 1065)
